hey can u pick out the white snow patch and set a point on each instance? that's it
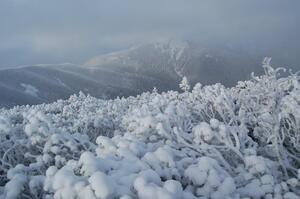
(30, 89)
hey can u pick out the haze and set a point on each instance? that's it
(56, 31)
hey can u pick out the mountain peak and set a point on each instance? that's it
(171, 48)
(171, 43)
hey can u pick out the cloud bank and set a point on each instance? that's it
(34, 31)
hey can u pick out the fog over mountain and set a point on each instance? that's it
(122, 48)
(58, 31)
(160, 64)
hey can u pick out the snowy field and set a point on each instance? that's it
(205, 142)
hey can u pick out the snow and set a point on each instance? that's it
(4, 125)
(15, 186)
(102, 185)
(184, 85)
(30, 89)
(175, 48)
(90, 164)
(213, 142)
(203, 132)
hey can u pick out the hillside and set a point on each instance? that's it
(210, 142)
(125, 73)
(172, 59)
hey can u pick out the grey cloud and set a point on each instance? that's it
(35, 31)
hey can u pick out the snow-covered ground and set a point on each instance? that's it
(30, 90)
(210, 142)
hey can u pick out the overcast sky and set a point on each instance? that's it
(57, 31)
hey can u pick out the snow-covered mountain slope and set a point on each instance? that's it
(152, 58)
(124, 73)
(172, 59)
(39, 84)
(213, 142)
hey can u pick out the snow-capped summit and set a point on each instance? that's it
(173, 59)
(171, 49)
(174, 48)
(160, 59)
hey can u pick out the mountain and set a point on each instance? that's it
(125, 73)
(47, 83)
(172, 59)
(214, 142)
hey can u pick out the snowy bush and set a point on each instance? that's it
(211, 142)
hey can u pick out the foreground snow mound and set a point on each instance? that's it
(212, 142)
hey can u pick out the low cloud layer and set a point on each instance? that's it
(34, 31)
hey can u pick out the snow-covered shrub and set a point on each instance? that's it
(212, 142)
(184, 84)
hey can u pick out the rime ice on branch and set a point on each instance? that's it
(212, 142)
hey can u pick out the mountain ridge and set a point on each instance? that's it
(126, 72)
